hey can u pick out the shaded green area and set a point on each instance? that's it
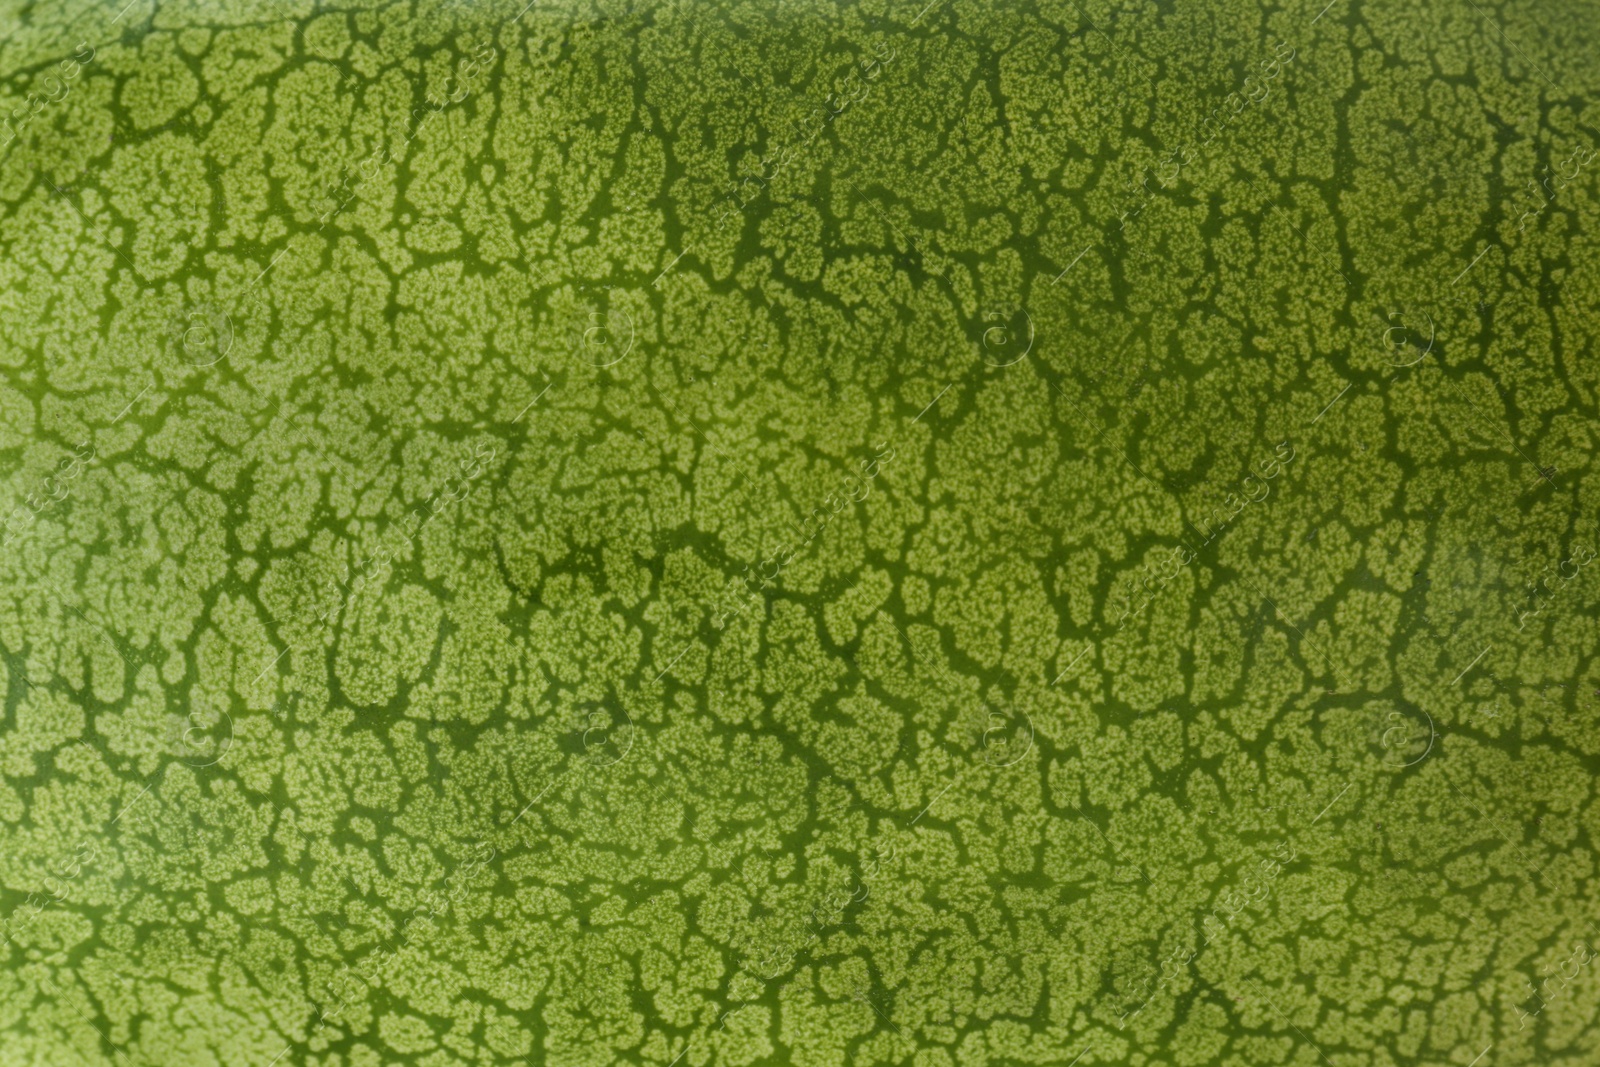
(976, 534)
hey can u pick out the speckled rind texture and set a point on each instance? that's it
(943, 533)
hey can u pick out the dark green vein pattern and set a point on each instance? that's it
(985, 533)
